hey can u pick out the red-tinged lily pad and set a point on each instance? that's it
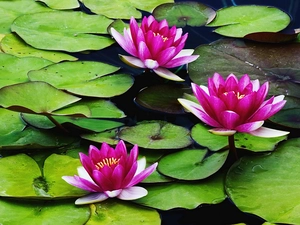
(180, 14)
(40, 212)
(116, 212)
(238, 21)
(191, 164)
(246, 141)
(188, 195)
(257, 184)
(34, 97)
(84, 78)
(64, 30)
(28, 181)
(162, 98)
(156, 135)
(272, 37)
(14, 70)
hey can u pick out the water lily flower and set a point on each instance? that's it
(155, 46)
(109, 173)
(234, 105)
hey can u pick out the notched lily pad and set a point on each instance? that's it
(34, 97)
(162, 98)
(191, 164)
(64, 30)
(156, 135)
(238, 21)
(181, 14)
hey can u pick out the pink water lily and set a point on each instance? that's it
(234, 105)
(109, 173)
(155, 46)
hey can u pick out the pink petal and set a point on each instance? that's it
(166, 55)
(91, 198)
(180, 61)
(243, 82)
(249, 127)
(84, 174)
(102, 181)
(144, 52)
(117, 176)
(222, 131)
(132, 61)
(82, 183)
(142, 175)
(125, 42)
(121, 149)
(229, 119)
(133, 193)
(163, 72)
(130, 174)
(86, 162)
(268, 132)
(178, 34)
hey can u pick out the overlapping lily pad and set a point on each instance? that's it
(14, 45)
(63, 30)
(258, 184)
(85, 78)
(110, 137)
(238, 21)
(214, 142)
(28, 181)
(14, 70)
(10, 10)
(58, 4)
(191, 164)
(181, 14)
(114, 212)
(122, 9)
(34, 97)
(185, 195)
(156, 135)
(40, 212)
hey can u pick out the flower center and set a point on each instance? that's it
(237, 94)
(107, 162)
(162, 37)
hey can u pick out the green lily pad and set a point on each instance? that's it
(191, 164)
(238, 21)
(27, 181)
(257, 184)
(84, 78)
(180, 14)
(122, 9)
(19, 97)
(10, 10)
(63, 30)
(14, 45)
(57, 4)
(40, 212)
(116, 212)
(110, 137)
(88, 124)
(162, 98)
(14, 70)
(156, 135)
(12, 121)
(246, 141)
(185, 195)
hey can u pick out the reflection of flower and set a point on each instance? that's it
(155, 46)
(109, 173)
(234, 105)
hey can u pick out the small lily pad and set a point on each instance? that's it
(14, 45)
(19, 97)
(180, 14)
(162, 98)
(191, 164)
(116, 212)
(188, 195)
(58, 4)
(64, 30)
(238, 21)
(257, 184)
(156, 135)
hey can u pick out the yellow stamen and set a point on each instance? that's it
(158, 34)
(238, 95)
(107, 162)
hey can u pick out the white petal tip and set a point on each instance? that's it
(268, 132)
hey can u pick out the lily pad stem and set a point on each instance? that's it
(232, 148)
(57, 124)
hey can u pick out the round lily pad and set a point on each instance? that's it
(57, 4)
(238, 21)
(257, 184)
(180, 14)
(64, 30)
(156, 135)
(191, 164)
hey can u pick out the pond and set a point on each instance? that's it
(183, 141)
